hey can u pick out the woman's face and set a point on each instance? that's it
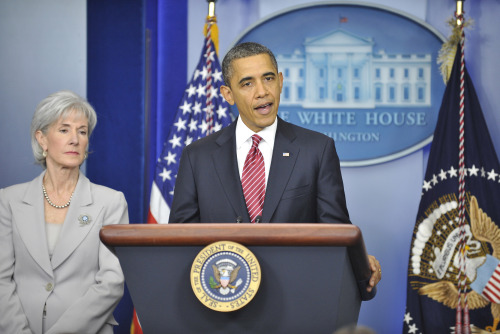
(66, 141)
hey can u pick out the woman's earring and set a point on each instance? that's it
(44, 154)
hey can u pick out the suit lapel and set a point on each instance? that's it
(284, 157)
(80, 218)
(226, 166)
(30, 222)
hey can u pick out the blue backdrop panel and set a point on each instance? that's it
(115, 87)
(137, 57)
(166, 24)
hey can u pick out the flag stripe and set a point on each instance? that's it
(158, 207)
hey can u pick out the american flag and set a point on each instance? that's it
(202, 111)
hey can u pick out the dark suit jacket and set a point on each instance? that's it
(304, 184)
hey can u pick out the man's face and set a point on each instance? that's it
(255, 88)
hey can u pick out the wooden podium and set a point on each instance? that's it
(314, 276)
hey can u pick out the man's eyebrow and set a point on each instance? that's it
(244, 79)
(250, 78)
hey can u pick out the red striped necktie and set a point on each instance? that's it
(253, 179)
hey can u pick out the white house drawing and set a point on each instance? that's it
(341, 70)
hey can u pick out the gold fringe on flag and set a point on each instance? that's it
(214, 31)
(447, 52)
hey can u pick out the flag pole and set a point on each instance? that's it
(462, 325)
(211, 8)
(459, 14)
(211, 37)
(211, 25)
(449, 48)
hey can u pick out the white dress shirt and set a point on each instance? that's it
(244, 143)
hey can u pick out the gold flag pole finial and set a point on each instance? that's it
(211, 8)
(211, 23)
(459, 14)
(447, 53)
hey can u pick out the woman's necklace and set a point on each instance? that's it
(52, 204)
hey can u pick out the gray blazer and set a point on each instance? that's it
(82, 283)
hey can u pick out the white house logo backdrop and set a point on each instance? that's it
(225, 276)
(364, 75)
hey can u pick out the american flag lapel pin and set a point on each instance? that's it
(286, 154)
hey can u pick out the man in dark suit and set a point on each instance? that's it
(301, 178)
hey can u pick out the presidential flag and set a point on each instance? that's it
(201, 112)
(447, 257)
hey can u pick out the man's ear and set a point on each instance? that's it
(280, 76)
(227, 94)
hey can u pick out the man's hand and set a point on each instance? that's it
(376, 272)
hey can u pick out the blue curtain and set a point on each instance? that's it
(136, 73)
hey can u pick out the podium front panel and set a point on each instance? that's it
(303, 289)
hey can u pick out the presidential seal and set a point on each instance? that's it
(225, 276)
(435, 263)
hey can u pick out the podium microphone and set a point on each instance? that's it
(239, 219)
(258, 219)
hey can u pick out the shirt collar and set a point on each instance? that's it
(243, 133)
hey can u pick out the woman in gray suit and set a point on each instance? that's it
(55, 274)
